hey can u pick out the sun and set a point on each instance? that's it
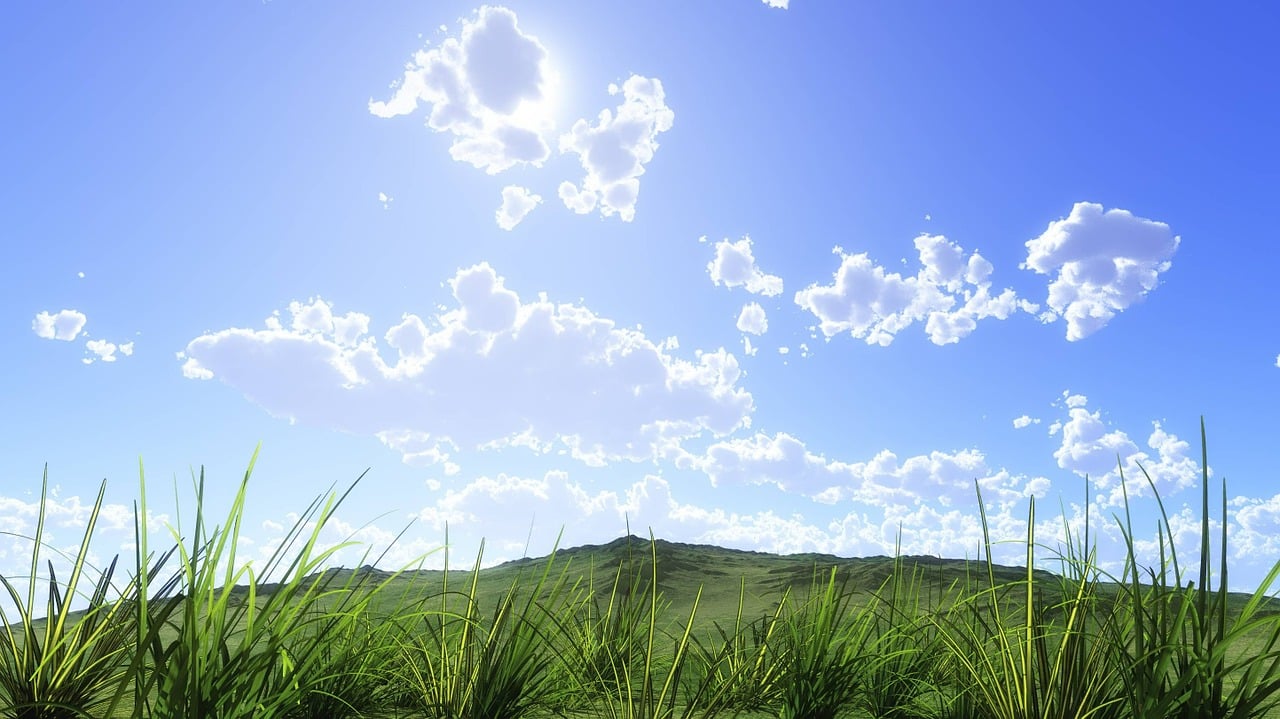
(541, 113)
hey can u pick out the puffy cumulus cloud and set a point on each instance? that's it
(585, 515)
(106, 351)
(1103, 262)
(19, 516)
(492, 370)
(950, 294)
(1025, 421)
(501, 509)
(65, 522)
(753, 319)
(614, 150)
(64, 325)
(490, 87)
(942, 478)
(1257, 527)
(1090, 447)
(735, 266)
(517, 203)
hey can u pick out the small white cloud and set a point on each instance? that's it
(490, 88)
(65, 325)
(950, 294)
(749, 349)
(752, 319)
(781, 4)
(784, 350)
(614, 150)
(386, 200)
(103, 350)
(1025, 421)
(1104, 263)
(735, 266)
(517, 203)
(80, 275)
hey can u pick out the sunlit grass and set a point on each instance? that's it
(197, 631)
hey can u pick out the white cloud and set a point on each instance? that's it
(65, 325)
(1258, 521)
(735, 266)
(782, 4)
(944, 478)
(385, 200)
(1090, 448)
(501, 509)
(614, 150)
(1025, 421)
(950, 293)
(493, 369)
(517, 202)
(316, 316)
(1105, 262)
(753, 319)
(490, 87)
(106, 351)
(749, 349)
(581, 202)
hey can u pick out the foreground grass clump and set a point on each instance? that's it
(634, 629)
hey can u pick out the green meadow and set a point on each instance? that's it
(636, 628)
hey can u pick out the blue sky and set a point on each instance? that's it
(787, 279)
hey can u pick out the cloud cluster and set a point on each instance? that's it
(1104, 262)
(942, 478)
(106, 351)
(614, 150)
(1090, 448)
(65, 325)
(517, 203)
(494, 371)
(488, 87)
(950, 294)
(735, 266)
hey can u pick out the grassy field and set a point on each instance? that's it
(634, 628)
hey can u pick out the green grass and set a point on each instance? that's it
(637, 628)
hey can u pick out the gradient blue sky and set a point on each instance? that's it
(403, 236)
